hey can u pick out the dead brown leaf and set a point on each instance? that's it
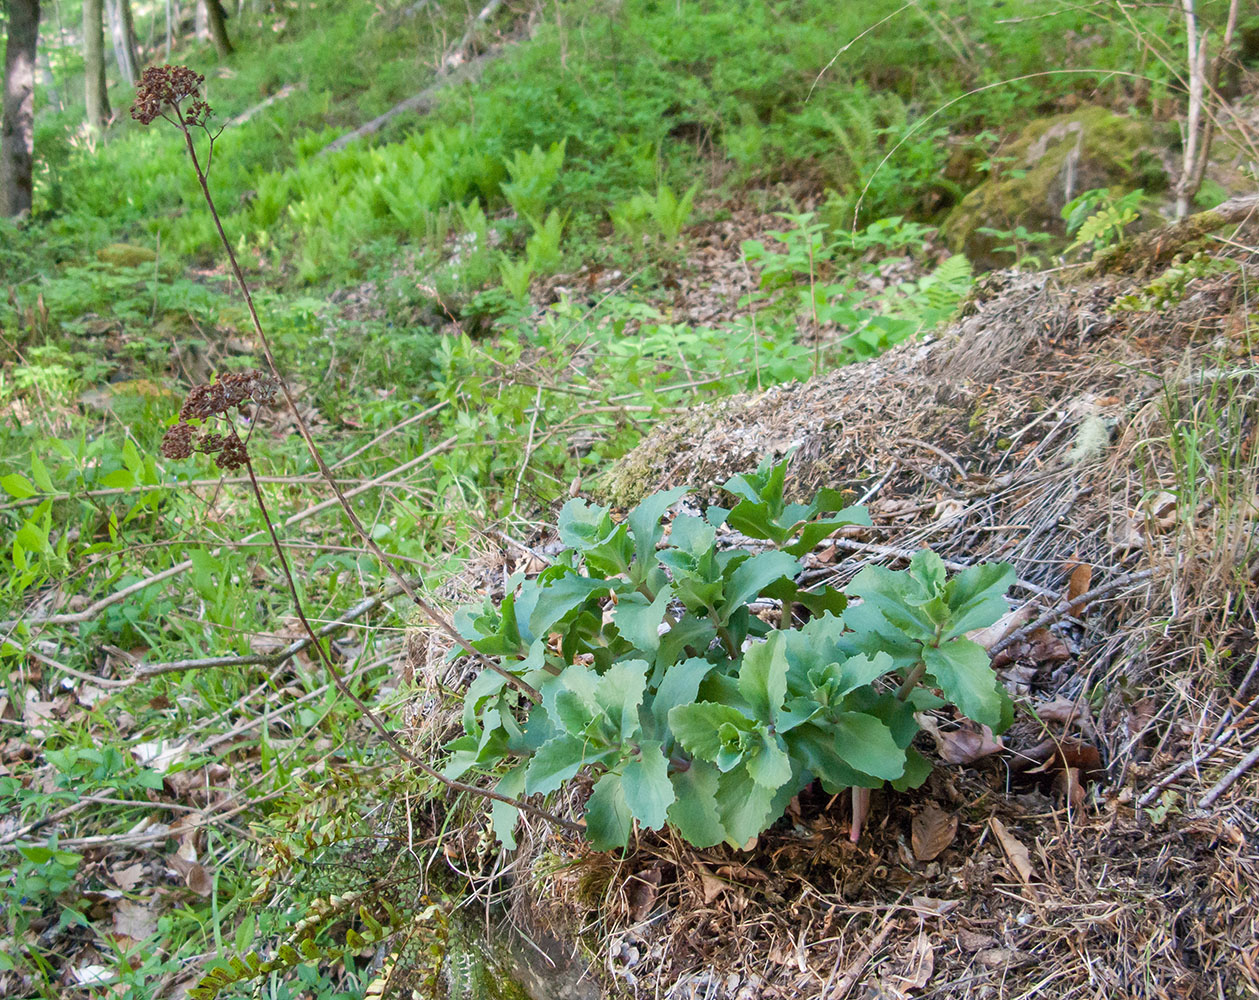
(932, 831)
(917, 971)
(128, 878)
(135, 921)
(1078, 585)
(194, 874)
(1003, 626)
(1015, 852)
(642, 889)
(974, 941)
(966, 744)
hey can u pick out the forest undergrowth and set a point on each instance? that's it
(476, 311)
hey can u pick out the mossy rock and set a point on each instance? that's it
(1051, 162)
(125, 255)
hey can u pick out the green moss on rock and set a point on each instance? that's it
(1052, 161)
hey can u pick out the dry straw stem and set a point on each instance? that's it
(438, 618)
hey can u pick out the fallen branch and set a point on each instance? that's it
(279, 95)
(419, 103)
(1069, 607)
(1157, 247)
(1223, 785)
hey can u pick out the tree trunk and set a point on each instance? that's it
(17, 133)
(216, 17)
(94, 65)
(122, 33)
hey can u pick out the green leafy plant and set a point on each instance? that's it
(1098, 219)
(660, 684)
(533, 175)
(663, 214)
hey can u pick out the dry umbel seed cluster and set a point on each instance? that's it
(163, 87)
(216, 399)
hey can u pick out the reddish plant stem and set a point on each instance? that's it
(345, 689)
(441, 620)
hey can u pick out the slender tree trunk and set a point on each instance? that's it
(94, 65)
(216, 17)
(17, 133)
(122, 33)
(168, 29)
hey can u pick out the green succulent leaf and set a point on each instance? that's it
(694, 810)
(976, 597)
(754, 575)
(639, 620)
(763, 678)
(558, 760)
(705, 729)
(608, 817)
(644, 524)
(679, 687)
(866, 744)
(963, 671)
(619, 693)
(560, 598)
(503, 817)
(768, 764)
(648, 791)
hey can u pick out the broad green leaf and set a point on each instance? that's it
(561, 597)
(976, 597)
(119, 479)
(756, 520)
(692, 536)
(39, 472)
(917, 770)
(608, 818)
(557, 761)
(639, 621)
(463, 754)
(963, 671)
(648, 791)
(928, 569)
(570, 698)
(769, 766)
(487, 684)
(619, 693)
(813, 532)
(746, 808)
(583, 525)
(17, 485)
(763, 678)
(866, 744)
(679, 687)
(699, 727)
(898, 596)
(690, 632)
(694, 810)
(644, 525)
(813, 746)
(503, 816)
(755, 574)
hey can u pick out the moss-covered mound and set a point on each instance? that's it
(1051, 162)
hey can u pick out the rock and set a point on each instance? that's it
(1051, 162)
(125, 255)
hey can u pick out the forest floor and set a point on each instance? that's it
(707, 239)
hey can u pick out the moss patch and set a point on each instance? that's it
(1052, 161)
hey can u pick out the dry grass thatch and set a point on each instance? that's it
(1110, 456)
